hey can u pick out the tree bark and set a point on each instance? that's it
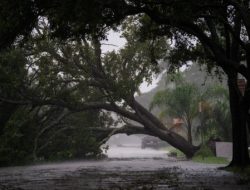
(173, 139)
(239, 126)
(156, 128)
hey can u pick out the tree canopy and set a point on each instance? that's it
(213, 32)
(75, 75)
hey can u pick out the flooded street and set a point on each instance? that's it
(135, 152)
(137, 169)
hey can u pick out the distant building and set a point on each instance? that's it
(177, 125)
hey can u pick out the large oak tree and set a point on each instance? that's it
(220, 29)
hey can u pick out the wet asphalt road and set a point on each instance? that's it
(121, 173)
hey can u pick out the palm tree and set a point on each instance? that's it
(216, 119)
(180, 101)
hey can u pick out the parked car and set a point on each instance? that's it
(152, 142)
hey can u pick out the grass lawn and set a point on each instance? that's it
(202, 156)
(210, 160)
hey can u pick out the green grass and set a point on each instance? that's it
(204, 155)
(210, 160)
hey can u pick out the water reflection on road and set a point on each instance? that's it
(127, 151)
(151, 170)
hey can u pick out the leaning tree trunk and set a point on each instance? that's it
(156, 128)
(178, 142)
(238, 110)
(103, 134)
(150, 125)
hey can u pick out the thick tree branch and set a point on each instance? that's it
(126, 129)
(76, 106)
(218, 52)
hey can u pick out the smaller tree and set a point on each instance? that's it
(180, 101)
(215, 117)
(207, 105)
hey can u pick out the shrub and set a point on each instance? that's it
(204, 151)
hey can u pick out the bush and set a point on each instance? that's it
(173, 151)
(204, 151)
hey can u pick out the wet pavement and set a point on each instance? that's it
(121, 173)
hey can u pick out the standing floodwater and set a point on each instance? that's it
(122, 146)
(150, 171)
(135, 152)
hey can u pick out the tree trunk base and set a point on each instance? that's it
(194, 150)
(236, 164)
